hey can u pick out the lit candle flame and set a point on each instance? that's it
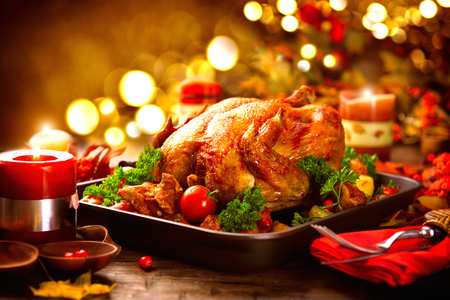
(36, 155)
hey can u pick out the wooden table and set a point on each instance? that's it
(172, 279)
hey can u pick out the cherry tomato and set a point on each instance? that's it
(81, 253)
(145, 262)
(197, 202)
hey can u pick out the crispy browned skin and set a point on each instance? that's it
(159, 200)
(240, 143)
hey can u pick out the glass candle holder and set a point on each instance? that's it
(368, 120)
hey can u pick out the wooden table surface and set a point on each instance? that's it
(172, 279)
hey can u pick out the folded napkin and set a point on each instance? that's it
(393, 267)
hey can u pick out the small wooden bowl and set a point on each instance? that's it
(17, 258)
(100, 255)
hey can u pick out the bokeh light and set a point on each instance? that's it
(376, 12)
(137, 88)
(338, 5)
(289, 23)
(308, 51)
(82, 116)
(151, 118)
(329, 61)
(133, 129)
(222, 53)
(380, 31)
(287, 7)
(253, 11)
(303, 65)
(428, 9)
(107, 106)
(444, 3)
(114, 136)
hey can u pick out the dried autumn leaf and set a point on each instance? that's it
(77, 290)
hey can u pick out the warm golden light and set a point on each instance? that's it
(289, 23)
(133, 129)
(107, 106)
(417, 56)
(137, 88)
(444, 3)
(376, 12)
(428, 9)
(82, 116)
(222, 53)
(308, 51)
(151, 118)
(338, 5)
(114, 136)
(253, 11)
(303, 65)
(329, 61)
(399, 37)
(380, 31)
(367, 22)
(287, 7)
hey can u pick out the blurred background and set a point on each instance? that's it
(110, 71)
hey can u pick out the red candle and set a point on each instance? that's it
(37, 188)
(368, 120)
(37, 174)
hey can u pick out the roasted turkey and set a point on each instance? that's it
(241, 143)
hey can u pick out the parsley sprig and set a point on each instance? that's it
(365, 159)
(299, 220)
(338, 178)
(145, 166)
(242, 214)
(326, 179)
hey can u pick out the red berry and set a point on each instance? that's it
(264, 223)
(81, 253)
(328, 202)
(431, 157)
(417, 177)
(145, 262)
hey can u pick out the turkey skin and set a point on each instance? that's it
(241, 143)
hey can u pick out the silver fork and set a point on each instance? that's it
(380, 247)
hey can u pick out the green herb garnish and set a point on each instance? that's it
(338, 178)
(299, 220)
(145, 166)
(242, 214)
(365, 159)
(325, 179)
(317, 171)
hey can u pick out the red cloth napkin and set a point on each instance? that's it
(392, 268)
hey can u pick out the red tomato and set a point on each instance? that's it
(81, 253)
(145, 262)
(197, 202)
